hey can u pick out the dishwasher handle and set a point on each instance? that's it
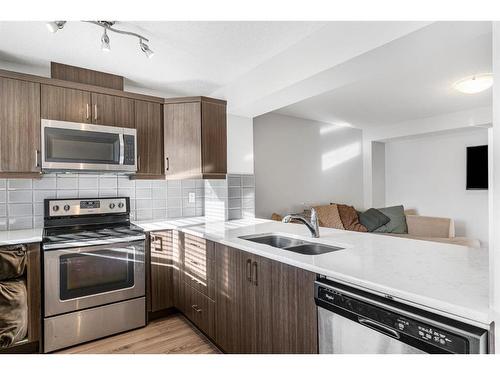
(379, 327)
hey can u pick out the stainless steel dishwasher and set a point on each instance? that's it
(352, 321)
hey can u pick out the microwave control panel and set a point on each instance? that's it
(129, 149)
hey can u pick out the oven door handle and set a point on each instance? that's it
(122, 149)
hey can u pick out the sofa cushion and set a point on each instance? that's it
(350, 218)
(12, 261)
(373, 219)
(397, 222)
(428, 226)
(329, 217)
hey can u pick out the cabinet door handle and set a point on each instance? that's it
(249, 270)
(88, 111)
(256, 277)
(37, 161)
(95, 112)
(196, 308)
(139, 162)
(168, 163)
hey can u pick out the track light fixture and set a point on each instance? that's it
(105, 41)
(145, 48)
(54, 26)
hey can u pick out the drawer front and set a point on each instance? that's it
(202, 311)
(199, 265)
(199, 245)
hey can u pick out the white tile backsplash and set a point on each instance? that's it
(40, 195)
(19, 184)
(67, 193)
(15, 223)
(108, 183)
(142, 193)
(67, 182)
(45, 183)
(88, 183)
(21, 200)
(143, 184)
(19, 209)
(20, 196)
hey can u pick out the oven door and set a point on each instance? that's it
(79, 278)
(87, 147)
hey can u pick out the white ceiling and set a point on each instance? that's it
(409, 78)
(364, 74)
(191, 58)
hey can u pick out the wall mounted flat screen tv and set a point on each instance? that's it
(477, 168)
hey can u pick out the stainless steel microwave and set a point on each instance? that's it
(78, 147)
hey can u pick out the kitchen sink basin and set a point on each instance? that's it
(291, 244)
(274, 240)
(310, 248)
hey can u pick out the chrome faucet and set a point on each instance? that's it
(313, 225)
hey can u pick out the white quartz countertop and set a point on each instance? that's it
(443, 278)
(14, 237)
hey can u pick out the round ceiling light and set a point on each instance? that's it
(474, 84)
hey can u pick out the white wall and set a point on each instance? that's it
(302, 161)
(239, 145)
(428, 174)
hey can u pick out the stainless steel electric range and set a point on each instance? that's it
(93, 271)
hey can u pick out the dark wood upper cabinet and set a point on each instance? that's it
(85, 76)
(19, 128)
(64, 104)
(113, 110)
(195, 138)
(148, 122)
(213, 138)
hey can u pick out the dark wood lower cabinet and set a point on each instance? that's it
(243, 302)
(229, 282)
(161, 271)
(294, 314)
(256, 305)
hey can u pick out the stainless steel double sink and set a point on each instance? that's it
(291, 244)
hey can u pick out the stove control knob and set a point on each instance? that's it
(120, 205)
(111, 205)
(66, 207)
(55, 208)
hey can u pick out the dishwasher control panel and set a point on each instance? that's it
(397, 323)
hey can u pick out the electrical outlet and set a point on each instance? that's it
(191, 198)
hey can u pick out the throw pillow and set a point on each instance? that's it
(329, 217)
(397, 224)
(350, 219)
(373, 219)
(276, 217)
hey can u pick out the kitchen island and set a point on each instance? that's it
(449, 280)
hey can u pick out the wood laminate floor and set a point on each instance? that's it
(170, 335)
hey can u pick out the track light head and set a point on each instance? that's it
(105, 42)
(145, 48)
(54, 26)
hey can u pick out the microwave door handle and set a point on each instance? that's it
(122, 149)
